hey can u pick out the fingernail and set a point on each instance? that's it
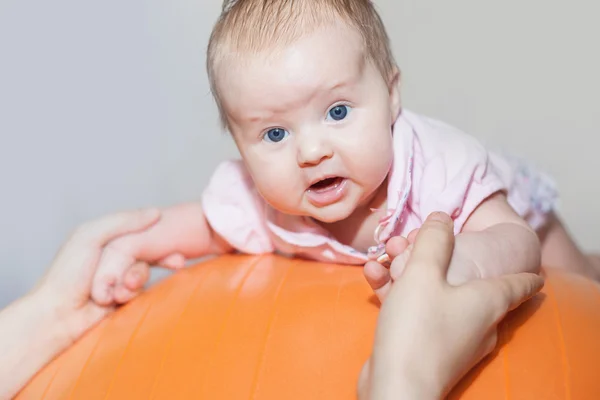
(439, 216)
(384, 260)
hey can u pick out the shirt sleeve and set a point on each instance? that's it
(456, 172)
(235, 210)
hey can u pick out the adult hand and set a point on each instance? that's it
(429, 333)
(38, 326)
(68, 283)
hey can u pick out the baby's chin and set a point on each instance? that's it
(331, 214)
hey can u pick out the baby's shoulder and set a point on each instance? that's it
(231, 170)
(235, 210)
(232, 183)
(436, 138)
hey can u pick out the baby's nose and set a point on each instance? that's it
(313, 149)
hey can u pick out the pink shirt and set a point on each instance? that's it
(436, 168)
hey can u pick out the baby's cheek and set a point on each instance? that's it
(372, 166)
(282, 188)
(375, 147)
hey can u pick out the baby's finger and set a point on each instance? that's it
(124, 295)
(111, 268)
(174, 261)
(376, 274)
(412, 235)
(395, 246)
(378, 278)
(399, 263)
(137, 276)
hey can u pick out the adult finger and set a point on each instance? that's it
(515, 289)
(364, 380)
(433, 247)
(102, 230)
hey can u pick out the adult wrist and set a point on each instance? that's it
(51, 317)
(397, 378)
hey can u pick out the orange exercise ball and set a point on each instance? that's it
(268, 327)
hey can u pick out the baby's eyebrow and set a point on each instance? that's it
(341, 85)
(252, 119)
(323, 92)
(347, 82)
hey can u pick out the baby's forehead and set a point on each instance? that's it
(323, 60)
(329, 49)
(259, 24)
(246, 43)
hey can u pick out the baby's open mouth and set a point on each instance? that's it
(326, 184)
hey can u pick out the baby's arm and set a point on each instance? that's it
(182, 233)
(183, 230)
(494, 241)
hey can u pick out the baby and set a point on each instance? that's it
(332, 166)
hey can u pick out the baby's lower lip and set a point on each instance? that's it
(324, 196)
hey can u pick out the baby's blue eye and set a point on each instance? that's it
(275, 135)
(338, 113)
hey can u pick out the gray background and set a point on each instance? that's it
(105, 105)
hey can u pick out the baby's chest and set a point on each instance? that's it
(346, 244)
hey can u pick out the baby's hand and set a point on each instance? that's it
(378, 275)
(461, 269)
(125, 262)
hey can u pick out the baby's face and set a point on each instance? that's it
(312, 123)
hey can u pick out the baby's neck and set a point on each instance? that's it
(358, 229)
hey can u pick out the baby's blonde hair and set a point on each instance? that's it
(257, 25)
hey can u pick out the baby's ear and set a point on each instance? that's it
(395, 98)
